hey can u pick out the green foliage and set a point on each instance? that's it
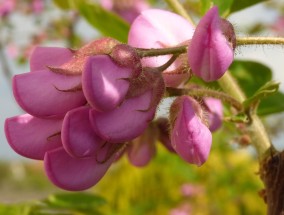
(80, 203)
(108, 23)
(243, 4)
(227, 180)
(252, 77)
(228, 6)
(266, 90)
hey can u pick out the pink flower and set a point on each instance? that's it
(162, 31)
(32, 137)
(6, 7)
(190, 137)
(104, 83)
(127, 9)
(44, 93)
(37, 6)
(40, 139)
(215, 113)
(75, 174)
(211, 49)
(142, 149)
(164, 133)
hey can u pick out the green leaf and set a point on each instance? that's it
(242, 4)
(250, 75)
(266, 90)
(224, 6)
(108, 23)
(227, 6)
(76, 201)
(272, 104)
(63, 4)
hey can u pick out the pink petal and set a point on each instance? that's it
(78, 137)
(31, 137)
(215, 113)
(49, 56)
(126, 121)
(36, 93)
(71, 173)
(103, 82)
(141, 150)
(190, 137)
(162, 31)
(210, 53)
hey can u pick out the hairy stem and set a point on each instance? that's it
(260, 138)
(206, 93)
(243, 41)
(162, 51)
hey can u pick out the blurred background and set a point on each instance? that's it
(227, 184)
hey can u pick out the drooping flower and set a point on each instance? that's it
(82, 138)
(190, 136)
(211, 49)
(127, 9)
(164, 29)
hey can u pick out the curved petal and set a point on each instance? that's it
(126, 121)
(103, 82)
(71, 173)
(190, 137)
(31, 137)
(78, 137)
(209, 52)
(42, 93)
(215, 113)
(49, 56)
(162, 31)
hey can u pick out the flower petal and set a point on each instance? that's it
(162, 31)
(78, 137)
(210, 53)
(126, 121)
(31, 137)
(71, 173)
(103, 82)
(49, 56)
(215, 113)
(190, 137)
(42, 93)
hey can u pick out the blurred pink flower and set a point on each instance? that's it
(6, 7)
(38, 6)
(127, 9)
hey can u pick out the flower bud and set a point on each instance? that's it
(190, 137)
(210, 51)
(126, 56)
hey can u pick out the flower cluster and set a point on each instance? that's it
(86, 107)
